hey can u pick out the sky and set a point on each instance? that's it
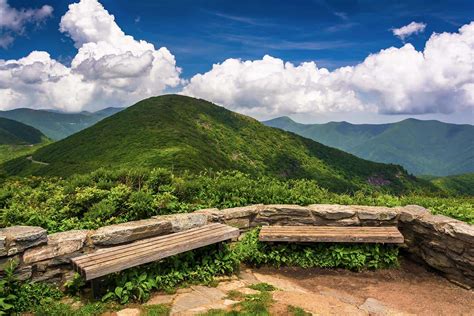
(315, 61)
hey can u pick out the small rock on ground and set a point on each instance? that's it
(129, 312)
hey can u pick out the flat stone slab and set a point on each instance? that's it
(377, 308)
(59, 244)
(131, 231)
(161, 299)
(181, 222)
(16, 239)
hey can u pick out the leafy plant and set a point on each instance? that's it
(350, 256)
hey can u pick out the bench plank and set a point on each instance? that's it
(118, 258)
(388, 234)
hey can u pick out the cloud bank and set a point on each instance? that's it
(109, 69)
(14, 21)
(439, 79)
(407, 30)
(112, 68)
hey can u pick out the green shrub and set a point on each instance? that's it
(198, 266)
(350, 256)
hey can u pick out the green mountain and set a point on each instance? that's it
(422, 147)
(58, 125)
(16, 133)
(183, 133)
(462, 184)
(17, 139)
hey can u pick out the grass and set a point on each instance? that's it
(297, 311)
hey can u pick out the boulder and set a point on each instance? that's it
(16, 239)
(130, 231)
(59, 244)
(285, 215)
(180, 222)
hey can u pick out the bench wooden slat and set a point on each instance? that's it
(331, 234)
(109, 253)
(119, 258)
(105, 251)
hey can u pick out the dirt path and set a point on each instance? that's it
(30, 158)
(410, 289)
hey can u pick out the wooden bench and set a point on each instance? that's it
(118, 258)
(386, 235)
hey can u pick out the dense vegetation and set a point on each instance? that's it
(57, 125)
(106, 197)
(16, 133)
(182, 133)
(422, 147)
(462, 184)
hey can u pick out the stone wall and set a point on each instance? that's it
(442, 243)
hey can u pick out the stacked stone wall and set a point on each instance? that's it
(442, 243)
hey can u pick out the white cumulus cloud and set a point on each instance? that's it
(439, 79)
(13, 21)
(109, 69)
(407, 30)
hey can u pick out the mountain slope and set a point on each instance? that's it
(183, 133)
(422, 147)
(16, 133)
(462, 184)
(58, 125)
(17, 139)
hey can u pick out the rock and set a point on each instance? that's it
(16, 239)
(129, 312)
(53, 275)
(248, 291)
(213, 214)
(230, 286)
(239, 212)
(199, 300)
(284, 215)
(23, 273)
(3, 245)
(230, 302)
(376, 213)
(161, 299)
(180, 222)
(353, 221)
(377, 308)
(462, 231)
(438, 223)
(131, 231)
(411, 212)
(332, 212)
(59, 244)
(241, 223)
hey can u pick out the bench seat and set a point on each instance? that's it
(352, 234)
(118, 258)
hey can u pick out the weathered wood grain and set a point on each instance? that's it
(122, 257)
(331, 234)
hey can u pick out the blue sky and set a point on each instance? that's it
(201, 33)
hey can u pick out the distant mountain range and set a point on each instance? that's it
(422, 147)
(58, 125)
(187, 134)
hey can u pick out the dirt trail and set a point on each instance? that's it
(411, 289)
(30, 158)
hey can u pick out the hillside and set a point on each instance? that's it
(58, 125)
(17, 139)
(462, 184)
(183, 133)
(422, 147)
